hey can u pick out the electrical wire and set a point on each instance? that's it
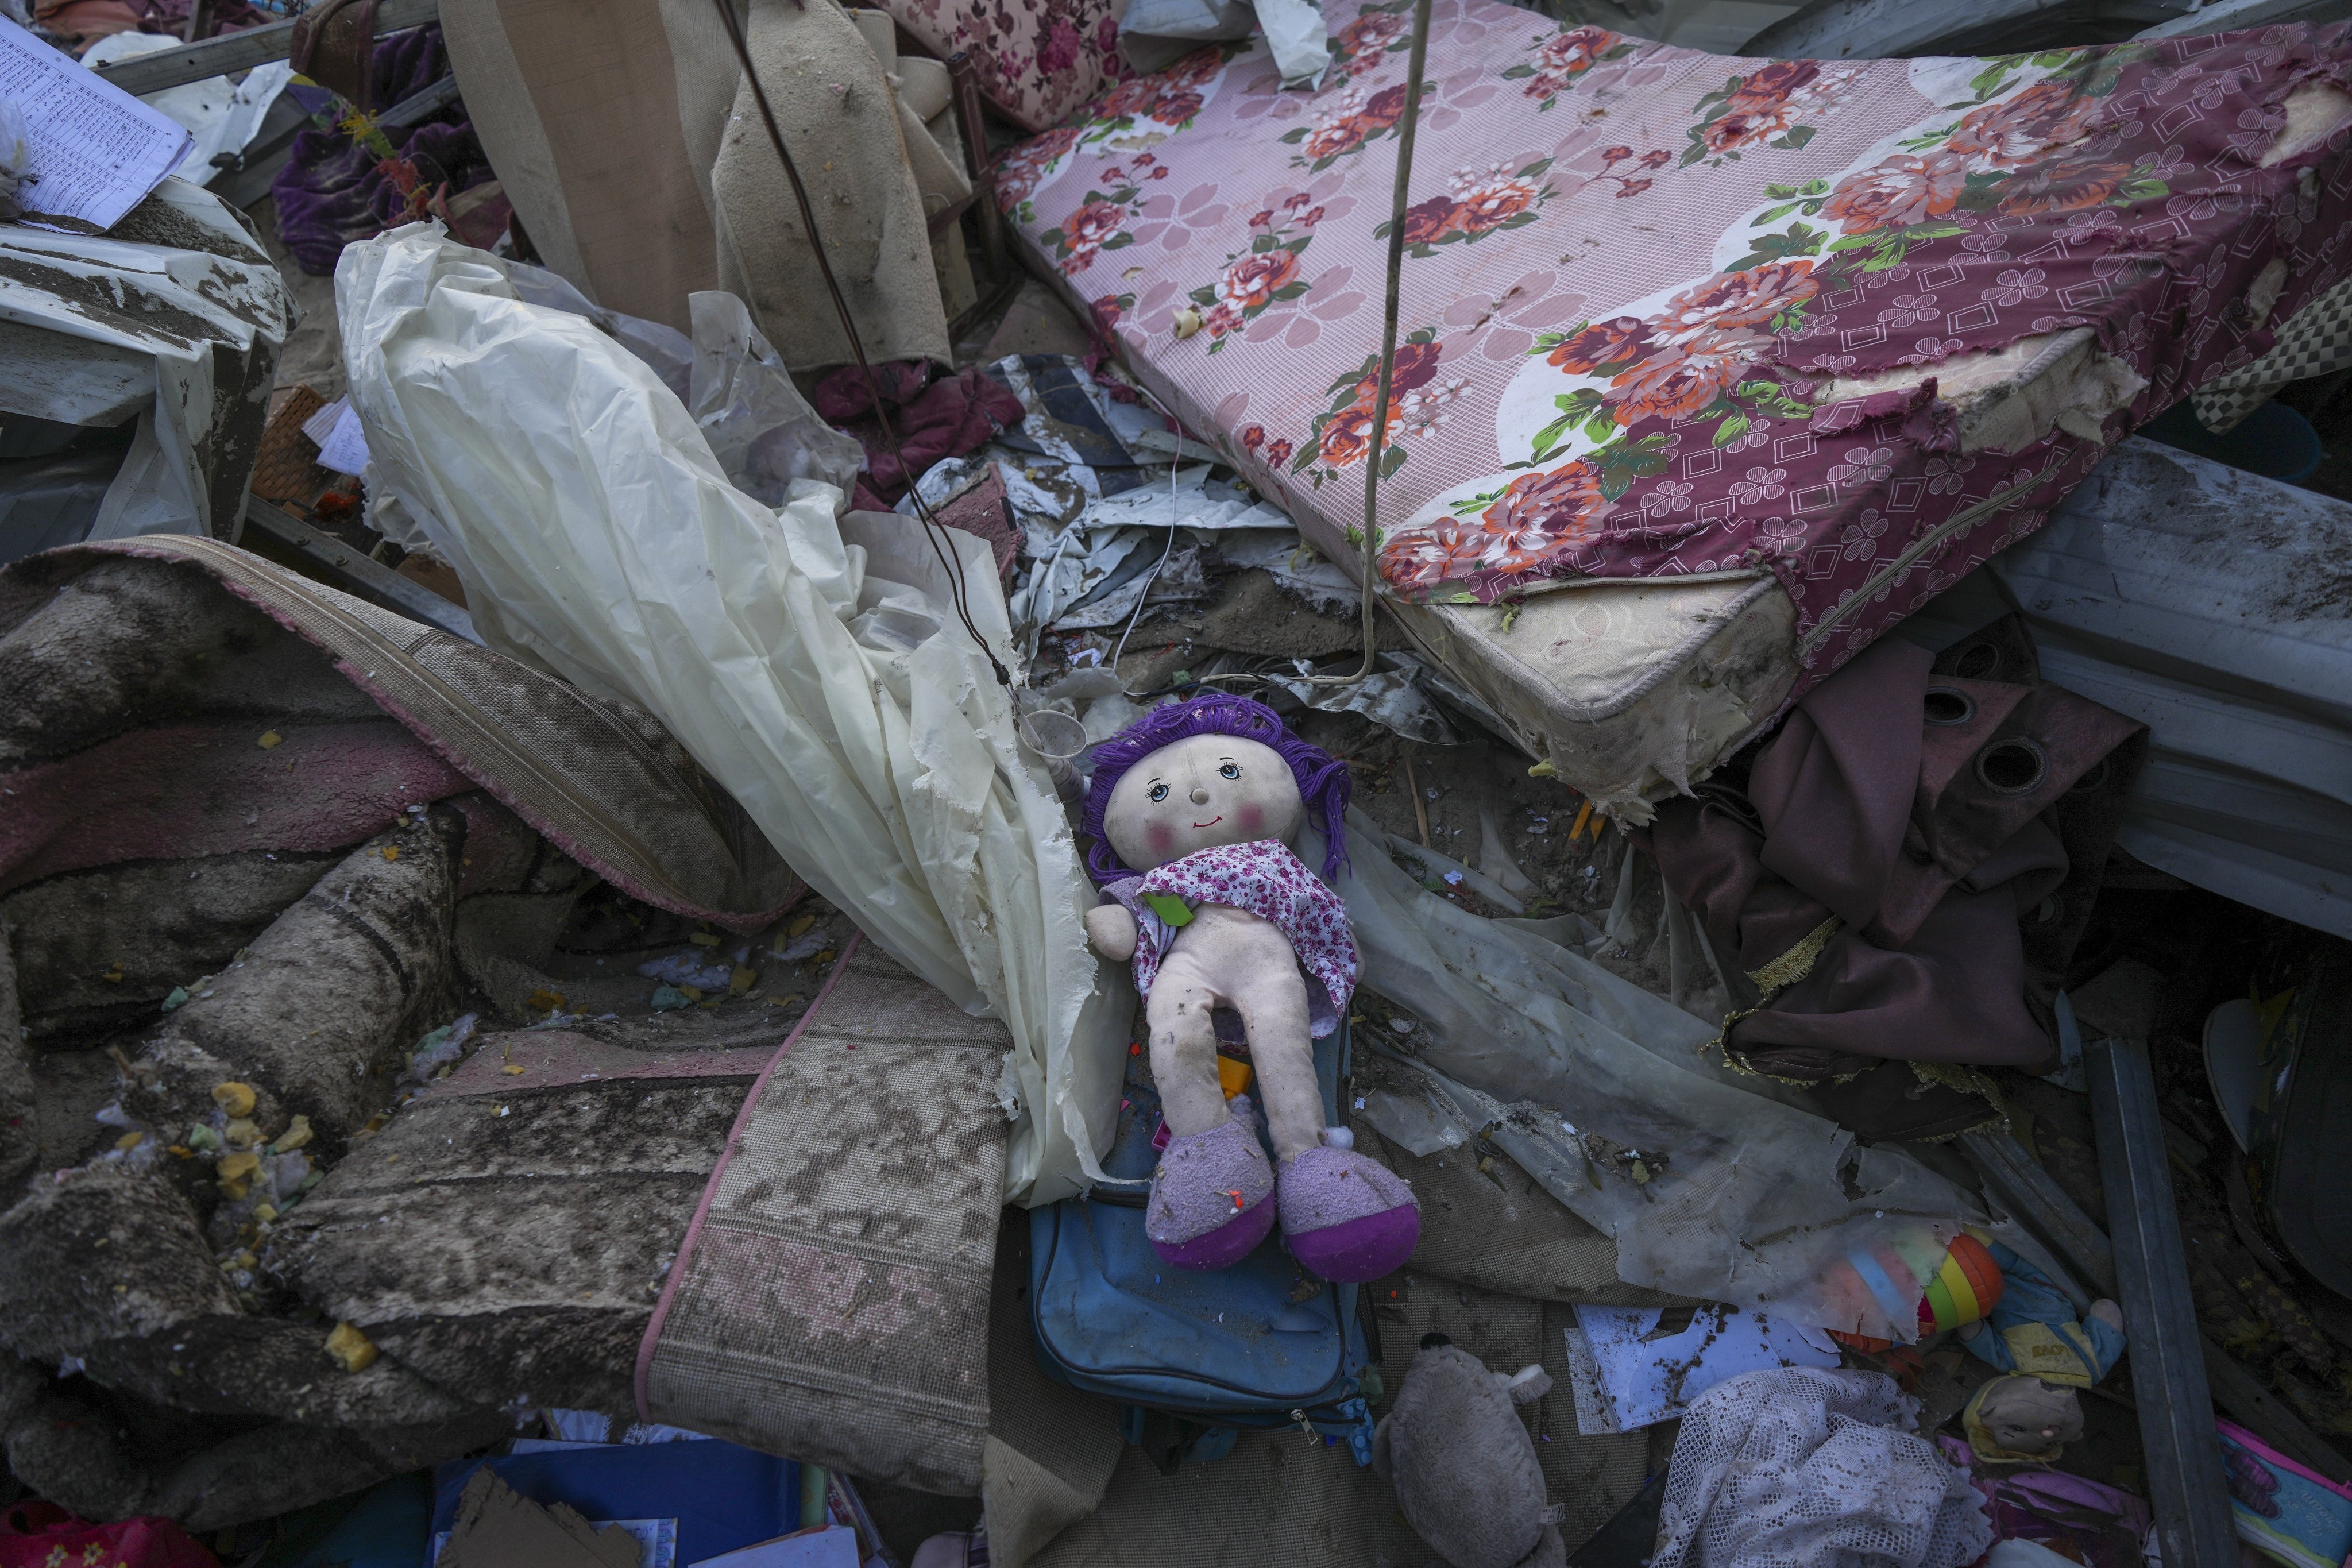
(950, 561)
(1369, 546)
(1175, 515)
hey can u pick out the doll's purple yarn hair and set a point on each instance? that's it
(1323, 782)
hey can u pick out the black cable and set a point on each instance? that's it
(950, 561)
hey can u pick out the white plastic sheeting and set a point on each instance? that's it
(1713, 1187)
(175, 316)
(809, 664)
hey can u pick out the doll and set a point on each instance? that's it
(2033, 1337)
(1192, 811)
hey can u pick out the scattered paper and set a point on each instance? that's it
(594, 1428)
(832, 1546)
(1625, 1374)
(343, 442)
(96, 150)
(222, 116)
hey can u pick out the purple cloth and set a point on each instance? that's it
(1346, 1217)
(331, 192)
(1212, 1197)
(1262, 878)
(932, 419)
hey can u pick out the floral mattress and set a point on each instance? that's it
(1853, 325)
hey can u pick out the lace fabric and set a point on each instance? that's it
(1810, 1467)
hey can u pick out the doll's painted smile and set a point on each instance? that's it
(1212, 822)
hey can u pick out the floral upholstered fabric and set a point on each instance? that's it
(1037, 60)
(1637, 277)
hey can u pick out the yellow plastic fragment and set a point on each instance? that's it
(113, 976)
(800, 925)
(353, 1349)
(297, 1133)
(1232, 1077)
(511, 1070)
(390, 852)
(234, 1098)
(545, 1001)
(129, 1141)
(270, 740)
(704, 939)
(1543, 770)
(235, 1171)
(265, 1212)
(241, 1134)
(742, 980)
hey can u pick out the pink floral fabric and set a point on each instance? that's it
(1270, 883)
(1640, 282)
(1037, 59)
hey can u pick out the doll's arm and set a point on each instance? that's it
(1111, 929)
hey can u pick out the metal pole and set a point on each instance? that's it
(2185, 1486)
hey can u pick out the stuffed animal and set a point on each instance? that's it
(1464, 1468)
(2033, 1335)
(1192, 810)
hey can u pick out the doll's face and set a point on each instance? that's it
(1201, 792)
(2027, 1416)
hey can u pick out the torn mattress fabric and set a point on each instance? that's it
(1853, 324)
(810, 663)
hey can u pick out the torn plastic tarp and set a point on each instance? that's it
(174, 317)
(809, 664)
(667, 351)
(1712, 1186)
(1290, 561)
(1391, 697)
(1099, 566)
(760, 427)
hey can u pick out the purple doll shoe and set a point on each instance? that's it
(1346, 1217)
(1212, 1197)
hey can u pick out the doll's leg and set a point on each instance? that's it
(1184, 1046)
(1272, 1000)
(1212, 1196)
(1345, 1214)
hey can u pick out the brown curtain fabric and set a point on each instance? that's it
(1870, 873)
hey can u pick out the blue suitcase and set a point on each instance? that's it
(1192, 1357)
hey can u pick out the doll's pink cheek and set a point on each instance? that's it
(1161, 838)
(1252, 820)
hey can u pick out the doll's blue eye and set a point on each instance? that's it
(1160, 791)
(1230, 771)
